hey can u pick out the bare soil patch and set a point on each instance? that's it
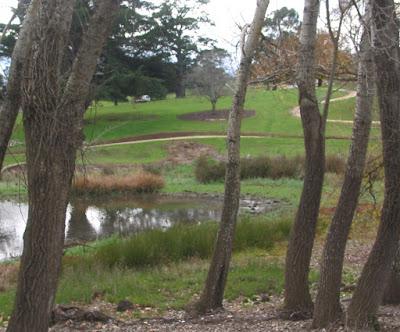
(237, 316)
(217, 115)
(185, 152)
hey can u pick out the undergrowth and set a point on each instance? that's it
(156, 247)
(275, 167)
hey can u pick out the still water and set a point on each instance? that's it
(94, 219)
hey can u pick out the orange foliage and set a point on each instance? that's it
(276, 61)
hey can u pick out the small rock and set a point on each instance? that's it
(125, 305)
(264, 298)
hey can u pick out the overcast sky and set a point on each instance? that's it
(225, 13)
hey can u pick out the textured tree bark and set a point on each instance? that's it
(327, 305)
(371, 285)
(9, 109)
(53, 113)
(213, 292)
(392, 289)
(180, 89)
(297, 294)
(19, 12)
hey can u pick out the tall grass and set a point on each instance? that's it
(277, 167)
(157, 247)
(142, 182)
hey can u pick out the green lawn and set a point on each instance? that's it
(344, 110)
(105, 121)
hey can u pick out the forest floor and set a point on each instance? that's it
(259, 314)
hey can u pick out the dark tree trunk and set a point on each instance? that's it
(392, 289)
(327, 306)
(213, 106)
(213, 292)
(53, 117)
(9, 109)
(371, 285)
(180, 88)
(297, 294)
(50, 166)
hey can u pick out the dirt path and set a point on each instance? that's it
(296, 110)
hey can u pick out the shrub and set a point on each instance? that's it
(208, 170)
(255, 167)
(181, 242)
(142, 182)
(284, 167)
(335, 163)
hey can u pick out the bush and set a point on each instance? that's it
(335, 163)
(209, 170)
(142, 182)
(181, 242)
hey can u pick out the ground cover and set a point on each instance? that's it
(344, 110)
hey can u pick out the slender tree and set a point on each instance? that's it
(213, 292)
(327, 306)
(12, 103)
(297, 295)
(314, 125)
(371, 285)
(53, 115)
(209, 77)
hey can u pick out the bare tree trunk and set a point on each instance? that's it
(327, 306)
(392, 289)
(297, 294)
(18, 12)
(7, 27)
(213, 106)
(371, 285)
(213, 292)
(9, 109)
(53, 121)
(180, 89)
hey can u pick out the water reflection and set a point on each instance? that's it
(90, 220)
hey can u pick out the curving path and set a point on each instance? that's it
(188, 135)
(296, 111)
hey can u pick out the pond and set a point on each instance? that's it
(89, 220)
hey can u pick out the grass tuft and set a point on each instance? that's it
(142, 182)
(182, 242)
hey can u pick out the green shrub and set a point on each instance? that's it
(209, 170)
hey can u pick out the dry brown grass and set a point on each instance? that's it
(8, 276)
(141, 182)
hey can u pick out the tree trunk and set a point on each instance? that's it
(19, 12)
(371, 285)
(327, 306)
(213, 292)
(9, 109)
(392, 289)
(297, 294)
(53, 114)
(213, 106)
(180, 88)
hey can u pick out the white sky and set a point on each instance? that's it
(225, 13)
